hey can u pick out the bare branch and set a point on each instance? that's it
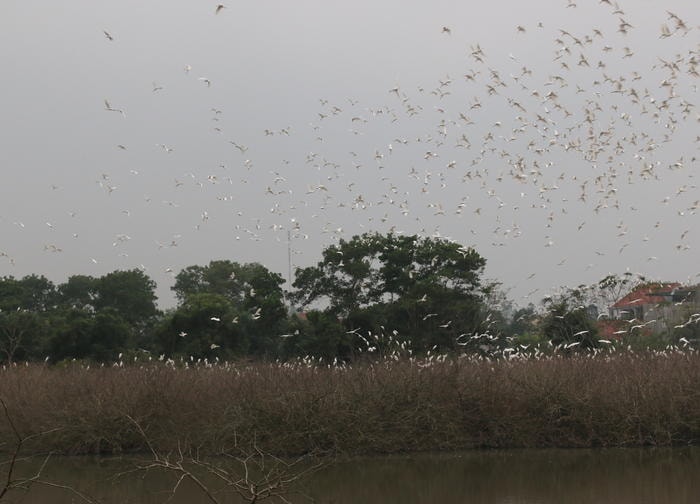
(259, 475)
(11, 482)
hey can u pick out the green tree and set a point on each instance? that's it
(205, 325)
(568, 322)
(97, 318)
(427, 290)
(131, 294)
(71, 335)
(79, 291)
(82, 334)
(254, 295)
(373, 268)
(21, 333)
(111, 335)
(523, 322)
(31, 292)
(24, 305)
(317, 333)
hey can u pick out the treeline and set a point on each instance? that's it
(369, 294)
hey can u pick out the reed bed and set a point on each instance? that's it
(385, 406)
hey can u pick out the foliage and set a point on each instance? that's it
(568, 322)
(427, 289)
(206, 325)
(366, 296)
(85, 317)
(98, 318)
(32, 293)
(79, 291)
(372, 268)
(247, 298)
(612, 287)
(319, 333)
(524, 321)
(81, 334)
(130, 293)
(20, 333)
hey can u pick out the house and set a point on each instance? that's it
(642, 304)
(657, 306)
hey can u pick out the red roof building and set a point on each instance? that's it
(643, 302)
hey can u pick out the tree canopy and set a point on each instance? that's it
(237, 308)
(374, 268)
(427, 290)
(371, 293)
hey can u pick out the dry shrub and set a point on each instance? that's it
(618, 399)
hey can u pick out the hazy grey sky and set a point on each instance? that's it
(559, 156)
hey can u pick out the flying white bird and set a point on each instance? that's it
(112, 109)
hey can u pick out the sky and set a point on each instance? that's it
(559, 139)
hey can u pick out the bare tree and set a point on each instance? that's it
(11, 480)
(251, 473)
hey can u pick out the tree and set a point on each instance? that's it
(254, 296)
(373, 268)
(79, 291)
(523, 322)
(97, 318)
(229, 279)
(205, 325)
(9, 477)
(318, 333)
(128, 295)
(31, 292)
(23, 306)
(428, 290)
(131, 294)
(613, 287)
(244, 472)
(20, 333)
(72, 333)
(568, 322)
(82, 334)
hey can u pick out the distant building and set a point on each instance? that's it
(642, 303)
(657, 306)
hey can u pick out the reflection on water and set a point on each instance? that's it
(527, 476)
(508, 477)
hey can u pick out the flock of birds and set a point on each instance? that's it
(568, 151)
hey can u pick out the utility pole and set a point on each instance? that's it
(289, 258)
(289, 268)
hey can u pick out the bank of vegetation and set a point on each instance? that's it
(429, 293)
(388, 344)
(395, 404)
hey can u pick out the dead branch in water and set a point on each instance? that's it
(251, 473)
(13, 482)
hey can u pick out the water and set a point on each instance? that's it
(507, 477)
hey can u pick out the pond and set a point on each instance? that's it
(507, 476)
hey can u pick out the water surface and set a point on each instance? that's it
(508, 477)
